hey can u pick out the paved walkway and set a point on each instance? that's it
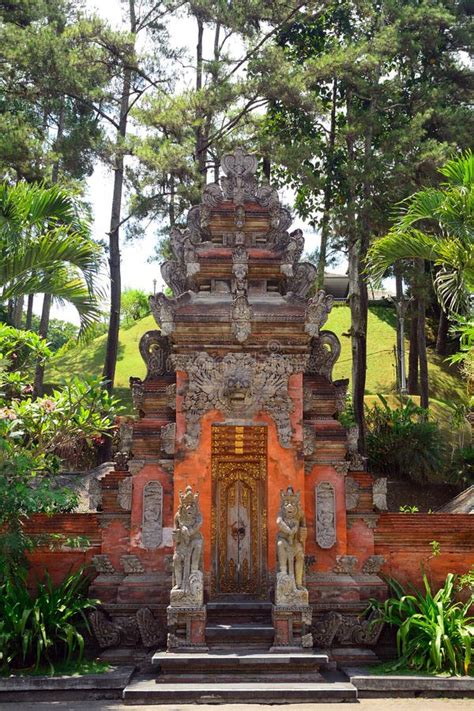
(362, 705)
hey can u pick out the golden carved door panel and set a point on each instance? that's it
(239, 510)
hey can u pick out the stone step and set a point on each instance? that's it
(250, 611)
(146, 690)
(213, 662)
(241, 632)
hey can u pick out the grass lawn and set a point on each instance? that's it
(444, 382)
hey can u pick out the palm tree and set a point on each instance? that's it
(436, 224)
(46, 247)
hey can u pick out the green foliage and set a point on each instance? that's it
(134, 306)
(45, 247)
(434, 632)
(35, 434)
(406, 508)
(42, 628)
(402, 442)
(60, 333)
(437, 225)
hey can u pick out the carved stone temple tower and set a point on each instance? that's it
(239, 404)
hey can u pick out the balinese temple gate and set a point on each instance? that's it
(244, 499)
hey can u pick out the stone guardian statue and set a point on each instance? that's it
(291, 540)
(187, 590)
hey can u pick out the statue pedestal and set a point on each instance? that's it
(292, 626)
(186, 629)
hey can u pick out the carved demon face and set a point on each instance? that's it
(188, 512)
(290, 509)
(237, 386)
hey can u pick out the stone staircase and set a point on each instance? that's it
(239, 666)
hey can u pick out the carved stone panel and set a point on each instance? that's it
(239, 386)
(168, 436)
(155, 350)
(325, 350)
(352, 493)
(152, 522)
(325, 515)
(379, 494)
(124, 495)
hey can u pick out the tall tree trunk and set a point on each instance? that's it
(111, 349)
(413, 353)
(357, 296)
(43, 332)
(200, 148)
(328, 191)
(422, 357)
(266, 167)
(18, 311)
(442, 336)
(29, 312)
(399, 299)
(47, 300)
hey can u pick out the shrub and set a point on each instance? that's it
(44, 628)
(134, 305)
(435, 633)
(402, 442)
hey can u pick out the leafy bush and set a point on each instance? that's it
(35, 434)
(402, 442)
(43, 628)
(435, 633)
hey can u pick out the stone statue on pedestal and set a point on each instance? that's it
(291, 539)
(187, 590)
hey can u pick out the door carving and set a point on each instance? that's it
(239, 518)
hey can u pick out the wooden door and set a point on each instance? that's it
(239, 524)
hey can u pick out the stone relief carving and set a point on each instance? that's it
(105, 631)
(325, 629)
(341, 394)
(357, 630)
(373, 564)
(239, 386)
(103, 565)
(155, 350)
(341, 466)
(151, 631)
(324, 352)
(357, 461)
(241, 317)
(124, 494)
(309, 440)
(301, 280)
(121, 460)
(294, 248)
(168, 437)
(291, 539)
(152, 522)
(379, 494)
(132, 565)
(171, 397)
(138, 393)
(188, 588)
(126, 631)
(352, 493)
(95, 494)
(345, 564)
(163, 310)
(325, 514)
(317, 312)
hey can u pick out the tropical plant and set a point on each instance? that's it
(34, 433)
(436, 224)
(45, 247)
(45, 627)
(403, 442)
(434, 631)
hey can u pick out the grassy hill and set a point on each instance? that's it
(445, 384)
